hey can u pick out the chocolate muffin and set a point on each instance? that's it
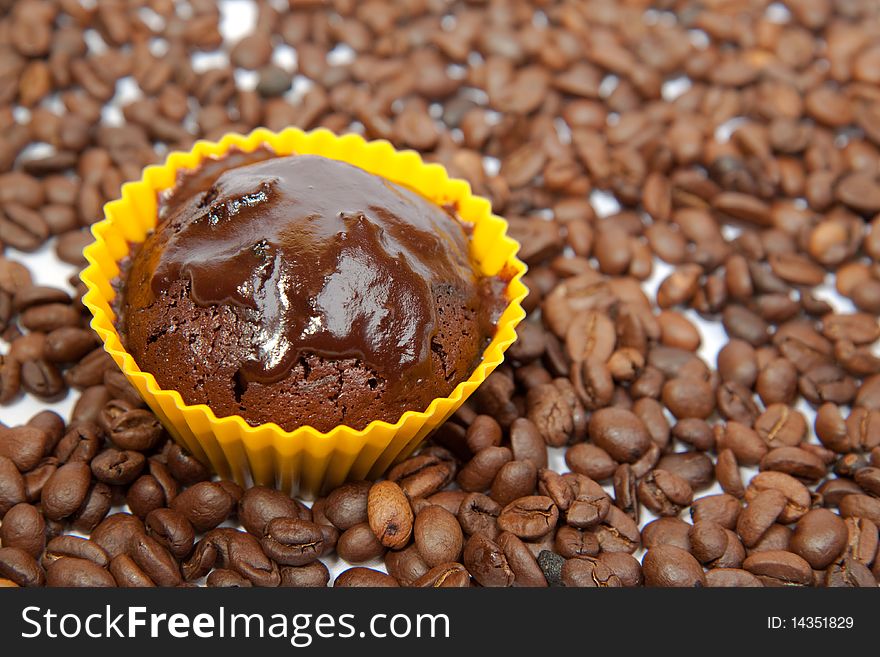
(302, 290)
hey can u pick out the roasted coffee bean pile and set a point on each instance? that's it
(741, 143)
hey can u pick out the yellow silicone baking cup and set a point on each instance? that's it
(304, 460)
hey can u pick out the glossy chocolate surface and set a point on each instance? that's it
(322, 257)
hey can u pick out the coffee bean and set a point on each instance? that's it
(820, 537)
(779, 568)
(797, 496)
(529, 517)
(483, 432)
(590, 460)
(593, 383)
(514, 479)
(781, 425)
(723, 509)
(666, 565)
(735, 403)
(479, 472)
(145, 495)
(137, 430)
(862, 540)
(259, 505)
(406, 566)
(731, 577)
(234, 550)
(205, 505)
(549, 413)
(486, 562)
(849, 573)
(35, 480)
(571, 542)
(155, 561)
(588, 572)
(172, 530)
(449, 575)
(358, 544)
(65, 490)
(42, 379)
(22, 228)
(184, 467)
(526, 443)
(760, 513)
(521, 561)
(727, 473)
(709, 541)
(312, 575)
(10, 379)
(24, 446)
(478, 514)
(617, 532)
(117, 468)
(73, 572)
(390, 515)
(128, 574)
(694, 467)
(667, 531)
(90, 404)
(626, 497)
(23, 527)
(360, 576)
(689, 397)
(619, 432)
(624, 566)
(664, 493)
(745, 443)
(20, 567)
(795, 461)
(590, 504)
(89, 371)
(115, 533)
(292, 542)
(869, 479)
(418, 476)
(860, 506)
(438, 536)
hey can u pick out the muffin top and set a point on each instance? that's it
(303, 290)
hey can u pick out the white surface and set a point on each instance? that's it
(238, 19)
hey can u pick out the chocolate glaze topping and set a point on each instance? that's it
(321, 257)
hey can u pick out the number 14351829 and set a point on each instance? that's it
(810, 623)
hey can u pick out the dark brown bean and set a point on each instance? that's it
(486, 562)
(23, 527)
(313, 575)
(172, 530)
(779, 568)
(478, 514)
(292, 542)
(529, 517)
(205, 505)
(73, 572)
(666, 565)
(619, 432)
(358, 544)
(20, 567)
(438, 536)
(360, 576)
(65, 490)
(260, 504)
